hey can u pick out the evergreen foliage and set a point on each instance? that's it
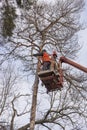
(24, 3)
(9, 16)
(19, 3)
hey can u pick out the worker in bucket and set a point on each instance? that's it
(54, 64)
(45, 59)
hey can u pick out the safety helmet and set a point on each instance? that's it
(54, 53)
(43, 50)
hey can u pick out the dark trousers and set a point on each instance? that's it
(46, 65)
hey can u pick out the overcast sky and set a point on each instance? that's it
(83, 39)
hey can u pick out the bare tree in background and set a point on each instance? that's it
(51, 27)
(9, 96)
(8, 80)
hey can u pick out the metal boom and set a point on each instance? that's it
(78, 66)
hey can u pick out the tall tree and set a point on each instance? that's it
(51, 27)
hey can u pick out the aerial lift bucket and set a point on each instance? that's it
(53, 81)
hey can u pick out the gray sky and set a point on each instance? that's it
(82, 57)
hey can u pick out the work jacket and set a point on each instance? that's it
(44, 56)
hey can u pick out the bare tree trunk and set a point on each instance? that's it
(34, 103)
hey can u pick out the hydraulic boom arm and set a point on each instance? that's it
(65, 60)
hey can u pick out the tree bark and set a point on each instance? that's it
(34, 103)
